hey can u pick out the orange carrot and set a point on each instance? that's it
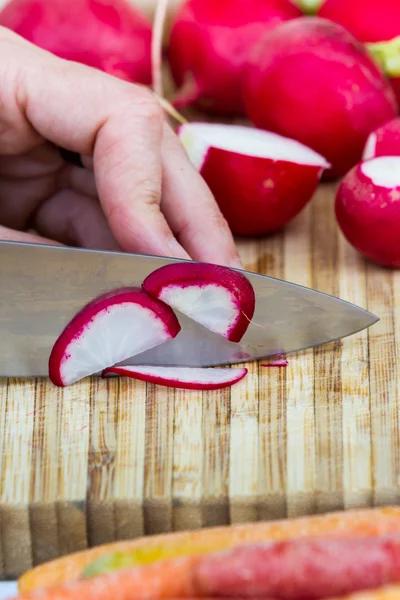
(354, 523)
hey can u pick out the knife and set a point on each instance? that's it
(43, 287)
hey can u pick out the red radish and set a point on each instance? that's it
(110, 35)
(312, 81)
(108, 330)
(368, 209)
(209, 46)
(384, 141)
(218, 298)
(376, 22)
(260, 180)
(181, 377)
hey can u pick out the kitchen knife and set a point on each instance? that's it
(42, 287)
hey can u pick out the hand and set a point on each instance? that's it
(138, 192)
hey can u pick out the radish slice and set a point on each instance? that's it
(218, 298)
(181, 377)
(261, 180)
(108, 330)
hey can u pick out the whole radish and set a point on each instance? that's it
(209, 46)
(384, 141)
(110, 35)
(368, 209)
(309, 79)
(376, 22)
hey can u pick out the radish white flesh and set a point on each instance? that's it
(108, 330)
(198, 138)
(383, 171)
(384, 141)
(181, 377)
(261, 180)
(218, 298)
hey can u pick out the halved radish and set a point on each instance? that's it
(186, 378)
(368, 209)
(384, 141)
(108, 330)
(218, 298)
(261, 180)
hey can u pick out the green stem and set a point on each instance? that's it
(387, 54)
(310, 7)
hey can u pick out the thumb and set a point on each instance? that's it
(11, 235)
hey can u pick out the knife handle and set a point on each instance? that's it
(72, 158)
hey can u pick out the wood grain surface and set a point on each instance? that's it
(106, 460)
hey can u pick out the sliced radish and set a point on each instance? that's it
(261, 180)
(218, 298)
(108, 330)
(384, 141)
(368, 209)
(181, 377)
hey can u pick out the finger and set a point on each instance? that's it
(120, 124)
(80, 180)
(19, 200)
(191, 209)
(75, 220)
(10, 235)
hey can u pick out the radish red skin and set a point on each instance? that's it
(239, 375)
(219, 33)
(110, 35)
(258, 196)
(306, 569)
(369, 217)
(78, 324)
(185, 275)
(370, 21)
(367, 20)
(310, 80)
(384, 141)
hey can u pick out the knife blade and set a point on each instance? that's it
(43, 287)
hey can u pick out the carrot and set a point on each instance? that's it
(352, 523)
(388, 592)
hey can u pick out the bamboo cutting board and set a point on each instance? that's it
(106, 459)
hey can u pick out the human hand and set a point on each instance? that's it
(138, 192)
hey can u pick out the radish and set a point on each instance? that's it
(311, 80)
(186, 378)
(218, 298)
(384, 141)
(376, 22)
(110, 35)
(209, 46)
(368, 209)
(108, 330)
(260, 180)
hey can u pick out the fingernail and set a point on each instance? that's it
(237, 263)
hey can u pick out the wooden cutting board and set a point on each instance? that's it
(107, 460)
